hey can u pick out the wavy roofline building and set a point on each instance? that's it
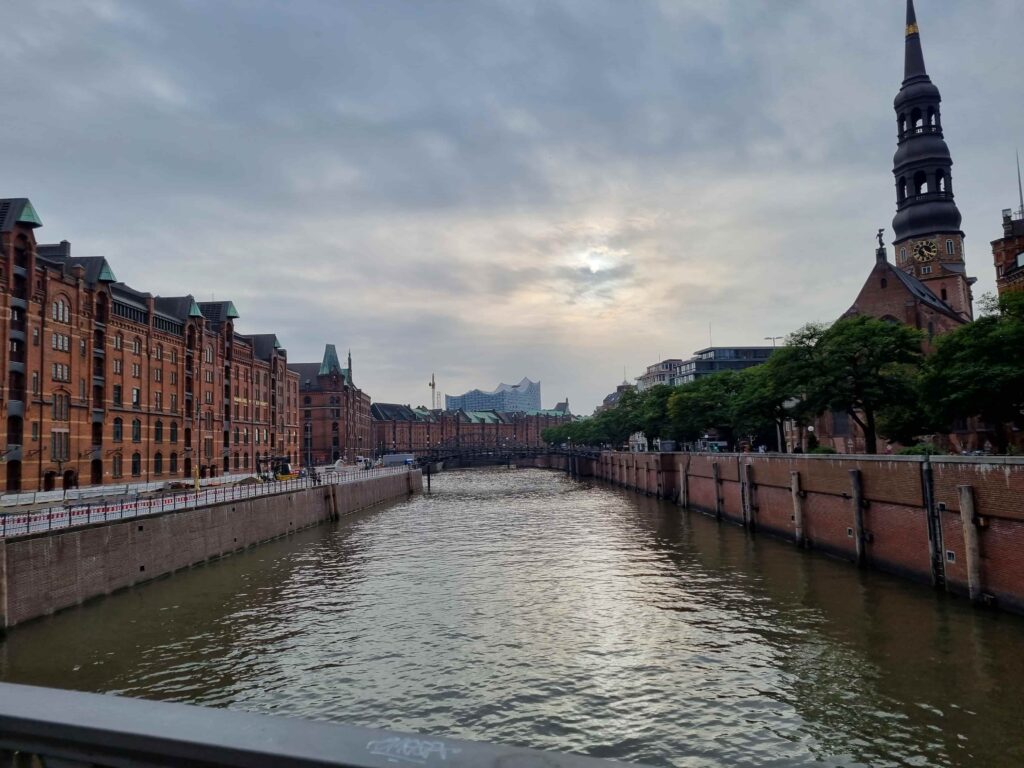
(524, 396)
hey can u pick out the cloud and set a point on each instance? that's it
(550, 188)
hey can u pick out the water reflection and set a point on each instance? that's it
(519, 606)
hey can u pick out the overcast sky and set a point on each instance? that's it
(492, 189)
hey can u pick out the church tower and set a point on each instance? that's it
(928, 241)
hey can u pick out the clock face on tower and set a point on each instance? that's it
(926, 250)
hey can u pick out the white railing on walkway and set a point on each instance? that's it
(83, 514)
(120, 489)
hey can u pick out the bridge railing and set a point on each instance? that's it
(44, 726)
(119, 509)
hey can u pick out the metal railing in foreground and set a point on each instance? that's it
(102, 512)
(44, 726)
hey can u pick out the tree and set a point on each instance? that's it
(978, 370)
(704, 404)
(864, 366)
(771, 393)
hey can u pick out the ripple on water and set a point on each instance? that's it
(522, 607)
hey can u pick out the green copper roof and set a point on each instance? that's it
(231, 311)
(193, 311)
(106, 274)
(330, 363)
(29, 215)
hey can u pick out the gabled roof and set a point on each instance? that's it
(392, 412)
(217, 312)
(264, 345)
(97, 270)
(330, 363)
(178, 307)
(924, 293)
(329, 366)
(17, 210)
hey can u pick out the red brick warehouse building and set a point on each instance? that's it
(402, 429)
(335, 413)
(104, 383)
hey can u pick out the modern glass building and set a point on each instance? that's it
(716, 359)
(524, 396)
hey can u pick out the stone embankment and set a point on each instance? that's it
(44, 572)
(955, 522)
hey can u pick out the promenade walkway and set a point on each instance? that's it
(78, 512)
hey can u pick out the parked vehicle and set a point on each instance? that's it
(397, 459)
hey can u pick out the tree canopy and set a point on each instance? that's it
(872, 370)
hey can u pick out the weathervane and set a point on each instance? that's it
(881, 241)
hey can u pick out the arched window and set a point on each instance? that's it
(903, 255)
(117, 469)
(158, 432)
(920, 183)
(885, 283)
(136, 431)
(902, 123)
(137, 345)
(158, 464)
(940, 181)
(916, 120)
(931, 116)
(950, 248)
(334, 427)
(60, 310)
(159, 351)
(136, 464)
(944, 296)
(901, 189)
(245, 460)
(174, 463)
(307, 400)
(118, 341)
(174, 431)
(237, 461)
(118, 430)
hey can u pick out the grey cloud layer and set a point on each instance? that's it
(495, 189)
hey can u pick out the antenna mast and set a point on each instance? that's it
(1020, 187)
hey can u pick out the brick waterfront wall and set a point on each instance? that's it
(45, 572)
(910, 522)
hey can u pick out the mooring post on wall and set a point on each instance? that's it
(748, 482)
(798, 508)
(933, 516)
(684, 490)
(972, 547)
(858, 515)
(716, 477)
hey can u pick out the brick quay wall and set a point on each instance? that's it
(41, 573)
(955, 522)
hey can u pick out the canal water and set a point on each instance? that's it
(519, 606)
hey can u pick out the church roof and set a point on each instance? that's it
(924, 294)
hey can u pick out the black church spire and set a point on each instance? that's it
(922, 164)
(913, 62)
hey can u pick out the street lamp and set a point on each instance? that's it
(773, 339)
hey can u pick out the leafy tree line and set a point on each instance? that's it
(872, 370)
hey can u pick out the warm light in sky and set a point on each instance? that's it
(490, 190)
